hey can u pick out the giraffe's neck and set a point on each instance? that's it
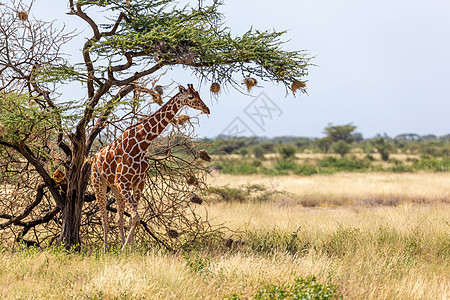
(150, 128)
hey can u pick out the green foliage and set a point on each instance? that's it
(230, 145)
(302, 288)
(332, 164)
(277, 240)
(341, 147)
(244, 168)
(24, 120)
(341, 132)
(229, 194)
(258, 152)
(243, 193)
(342, 242)
(287, 151)
(196, 36)
(433, 164)
(243, 152)
(382, 147)
(197, 263)
(324, 144)
(285, 167)
(400, 168)
(63, 73)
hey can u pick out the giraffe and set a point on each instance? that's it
(122, 165)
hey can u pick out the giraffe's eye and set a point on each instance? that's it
(191, 97)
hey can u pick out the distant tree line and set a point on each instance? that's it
(339, 139)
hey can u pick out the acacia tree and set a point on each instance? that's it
(120, 60)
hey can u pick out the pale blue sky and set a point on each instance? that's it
(383, 65)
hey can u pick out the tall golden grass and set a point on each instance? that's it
(350, 188)
(368, 251)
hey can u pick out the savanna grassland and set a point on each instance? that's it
(351, 235)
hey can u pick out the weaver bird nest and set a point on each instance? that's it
(215, 88)
(250, 83)
(298, 85)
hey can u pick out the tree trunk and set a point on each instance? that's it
(70, 231)
(77, 181)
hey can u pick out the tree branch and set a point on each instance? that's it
(44, 219)
(99, 125)
(116, 25)
(79, 12)
(138, 75)
(28, 209)
(66, 149)
(49, 182)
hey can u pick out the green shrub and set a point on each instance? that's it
(277, 240)
(401, 168)
(305, 169)
(229, 194)
(257, 163)
(343, 164)
(197, 263)
(341, 147)
(237, 168)
(287, 151)
(433, 164)
(383, 148)
(302, 288)
(258, 152)
(342, 242)
(243, 152)
(284, 166)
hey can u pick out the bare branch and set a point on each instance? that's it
(79, 12)
(138, 75)
(28, 209)
(44, 219)
(104, 117)
(49, 182)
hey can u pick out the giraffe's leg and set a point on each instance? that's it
(120, 211)
(100, 194)
(137, 192)
(125, 192)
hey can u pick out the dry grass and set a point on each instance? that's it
(349, 188)
(370, 252)
(371, 269)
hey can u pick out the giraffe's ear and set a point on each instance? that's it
(182, 89)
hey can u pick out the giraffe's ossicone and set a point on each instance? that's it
(122, 165)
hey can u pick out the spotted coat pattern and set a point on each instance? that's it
(122, 165)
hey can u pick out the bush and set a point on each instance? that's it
(383, 148)
(341, 147)
(287, 151)
(229, 194)
(243, 152)
(277, 240)
(285, 167)
(305, 170)
(330, 164)
(258, 152)
(237, 168)
(302, 288)
(433, 164)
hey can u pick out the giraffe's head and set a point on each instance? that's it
(192, 99)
